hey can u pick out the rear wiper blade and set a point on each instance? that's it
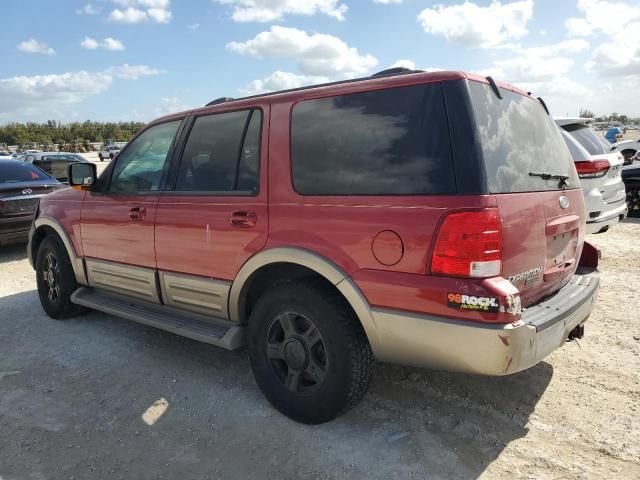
(613, 147)
(552, 176)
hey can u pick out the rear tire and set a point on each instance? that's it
(633, 200)
(56, 280)
(100, 157)
(308, 351)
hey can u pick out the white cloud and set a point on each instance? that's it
(602, 16)
(25, 95)
(34, 46)
(279, 80)
(195, 26)
(169, 105)
(271, 10)
(618, 57)
(317, 54)
(473, 25)
(108, 43)
(387, 2)
(411, 65)
(134, 72)
(136, 11)
(88, 9)
(130, 15)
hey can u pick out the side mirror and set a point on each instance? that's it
(82, 175)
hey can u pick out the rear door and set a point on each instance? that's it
(531, 174)
(214, 217)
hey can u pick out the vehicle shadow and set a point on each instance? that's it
(13, 252)
(413, 423)
(635, 220)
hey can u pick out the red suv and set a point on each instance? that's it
(426, 219)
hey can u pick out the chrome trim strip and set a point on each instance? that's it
(124, 279)
(195, 294)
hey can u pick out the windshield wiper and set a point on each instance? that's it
(552, 176)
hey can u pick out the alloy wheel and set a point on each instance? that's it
(51, 276)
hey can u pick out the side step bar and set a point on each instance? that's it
(159, 316)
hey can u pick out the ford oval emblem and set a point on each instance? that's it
(564, 202)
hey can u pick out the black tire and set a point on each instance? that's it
(338, 365)
(56, 280)
(633, 199)
(628, 155)
(100, 157)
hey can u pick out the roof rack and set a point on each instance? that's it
(219, 100)
(384, 73)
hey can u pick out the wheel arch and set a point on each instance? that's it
(298, 261)
(45, 226)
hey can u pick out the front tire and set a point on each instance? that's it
(100, 157)
(56, 280)
(308, 351)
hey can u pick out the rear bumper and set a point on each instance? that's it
(14, 229)
(472, 347)
(610, 216)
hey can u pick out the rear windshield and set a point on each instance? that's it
(589, 139)
(518, 138)
(578, 152)
(383, 142)
(16, 172)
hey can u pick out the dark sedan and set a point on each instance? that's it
(54, 163)
(631, 179)
(21, 185)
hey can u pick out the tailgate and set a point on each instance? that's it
(542, 241)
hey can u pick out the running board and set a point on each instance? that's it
(159, 316)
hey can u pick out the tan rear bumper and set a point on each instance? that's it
(449, 344)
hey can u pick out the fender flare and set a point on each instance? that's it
(322, 266)
(76, 262)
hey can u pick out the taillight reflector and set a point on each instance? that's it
(592, 169)
(469, 244)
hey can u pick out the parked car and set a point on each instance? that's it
(21, 185)
(54, 163)
(109, 152)
(599, 168)
(426, 219)
(631, 177)
(614, 134)
(5, 155)
(629, 148)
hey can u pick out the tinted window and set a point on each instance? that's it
(517, 138)
(385, 142)
(222, 153)
(139, 167)
(589, 139)
(14, 172)
(577, 151)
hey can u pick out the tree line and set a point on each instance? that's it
(57, 132)
(614, 117)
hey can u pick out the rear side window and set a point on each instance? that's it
(518, 138)
(384, 142)
(578, 153)
(15, 172)
(222, 153)
(588, 138)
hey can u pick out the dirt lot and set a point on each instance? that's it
(73, 393)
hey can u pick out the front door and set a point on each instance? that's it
(215, 216)
(117, 223)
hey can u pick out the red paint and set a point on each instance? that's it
(383, 242)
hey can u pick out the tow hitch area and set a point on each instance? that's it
(577, 332)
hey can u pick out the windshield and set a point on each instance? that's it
(72, 158)
(588, 138)
(16, 172)
(518, 138)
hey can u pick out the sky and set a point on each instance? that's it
(71, 60)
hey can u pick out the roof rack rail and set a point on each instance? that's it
(394, 71)
(219, 100)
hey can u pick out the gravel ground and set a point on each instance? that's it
(75, 394)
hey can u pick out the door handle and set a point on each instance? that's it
(137, 213)
(243, 219)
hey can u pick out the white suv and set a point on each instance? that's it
(599, 167)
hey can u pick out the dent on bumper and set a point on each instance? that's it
(449, 344)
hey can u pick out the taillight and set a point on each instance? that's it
(469, 244)
(592, 169)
